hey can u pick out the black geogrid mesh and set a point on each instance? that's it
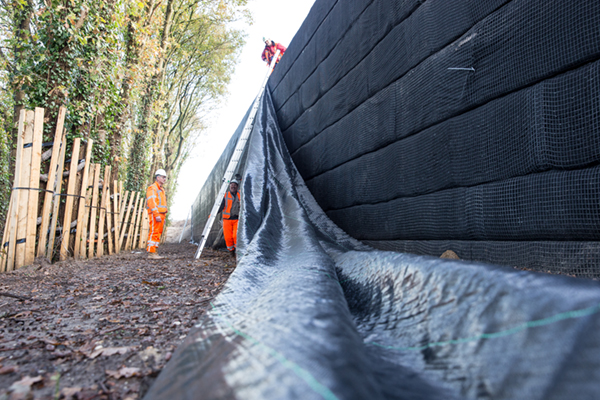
(452, 121)
(551, 125)
(574, 258)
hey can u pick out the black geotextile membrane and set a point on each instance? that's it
(311, 313)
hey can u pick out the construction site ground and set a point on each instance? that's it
(101, 328)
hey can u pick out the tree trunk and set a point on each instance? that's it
(138, 162)
(22, 20)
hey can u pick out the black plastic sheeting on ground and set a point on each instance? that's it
(310, 313)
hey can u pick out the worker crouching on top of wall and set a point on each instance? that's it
(231, 211)
(156, 204)
(270, 49)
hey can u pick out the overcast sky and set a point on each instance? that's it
(277, 19)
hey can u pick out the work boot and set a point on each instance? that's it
(154, 256)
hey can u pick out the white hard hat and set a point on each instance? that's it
(161, 172)
(235, 181)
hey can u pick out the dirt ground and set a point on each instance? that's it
(101, 328)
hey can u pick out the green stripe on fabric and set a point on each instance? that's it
(531, 324)
(299, 371)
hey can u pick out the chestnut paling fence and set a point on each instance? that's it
(70, 211)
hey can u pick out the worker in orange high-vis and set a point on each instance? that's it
(270, 49)
(156, 204)
(231, 212)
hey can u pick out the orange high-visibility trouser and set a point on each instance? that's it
(154, 233)
(230, 233)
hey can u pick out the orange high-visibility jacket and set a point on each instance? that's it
(156, 200)
(228, 200)
(269, 52)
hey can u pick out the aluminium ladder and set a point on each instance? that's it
(235, 159)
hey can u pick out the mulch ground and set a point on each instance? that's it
(101, 328)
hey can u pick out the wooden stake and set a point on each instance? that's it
(123, 198)
(94, 211)
(124, 224)
(50, 185)
(8, 254)
(145, 228)
(115, 215)
(122, 209)
(25, 193)
(132, 227)
(131, 224)
(103, 208)
(34, 184)
(66, 232)
(56, 198)
(82, 200)
(137, 233)
(86, 214)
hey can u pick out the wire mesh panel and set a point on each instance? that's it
(451, 121)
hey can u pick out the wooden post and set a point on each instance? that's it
(50, 186)
(66, 232)
(86, 214)
(134, 225)
(8, 254)
(24, 196)
(131, 224)
(122, 198)
(103, 213)
(82, 200)
(144, 232)
(57, 189)
(122, 208)
(94, 211)
(138, 224)
(34, 184)
(124, 225)
(131, 221)
(115, 203)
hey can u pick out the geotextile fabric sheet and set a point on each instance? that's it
(311, 313)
